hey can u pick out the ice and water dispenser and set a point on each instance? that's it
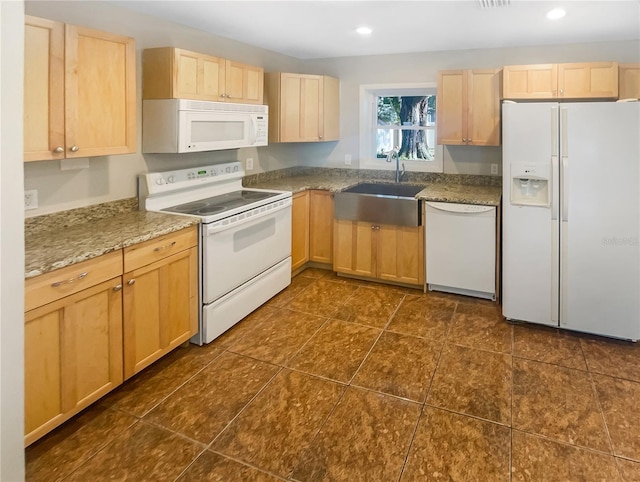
(531, 184)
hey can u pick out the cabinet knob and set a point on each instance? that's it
(561, 91)
(74, 148)
(469, 140)
(117, 287)
(131, 282)
(464, 140)
(58, 149)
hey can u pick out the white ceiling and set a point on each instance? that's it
(323, 29)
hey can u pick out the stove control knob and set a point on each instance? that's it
(171, 179)
(228, 169)
(235, 168)
(160, 181)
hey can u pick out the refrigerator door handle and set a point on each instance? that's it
(564, 147)
(554, 180)
(564, 177)
(554, 131)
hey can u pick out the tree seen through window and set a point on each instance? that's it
(408, 123)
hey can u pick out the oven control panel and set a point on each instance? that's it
(158, 182)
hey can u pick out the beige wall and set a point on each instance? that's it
(423, 67)
(111, 178)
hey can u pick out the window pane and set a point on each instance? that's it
(406, 110)
(413, 144)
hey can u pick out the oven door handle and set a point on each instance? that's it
(218, 226)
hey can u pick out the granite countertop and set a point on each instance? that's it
(442, 189)
(53, 248)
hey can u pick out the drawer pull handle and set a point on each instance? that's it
(69, 281)
(168, 246)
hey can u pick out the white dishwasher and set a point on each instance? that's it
(461, 248)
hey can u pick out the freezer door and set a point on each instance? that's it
(530, 232)
(600, 211)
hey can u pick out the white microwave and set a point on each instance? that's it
(181, 125)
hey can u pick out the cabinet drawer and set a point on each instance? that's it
(145, 253)
(71, 279)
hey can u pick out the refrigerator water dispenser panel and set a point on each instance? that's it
(531, 184)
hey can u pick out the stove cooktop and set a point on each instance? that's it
(219, 204)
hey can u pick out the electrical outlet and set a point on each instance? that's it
(494, 169)
(31, 199)
(347, 159)
(249, 164)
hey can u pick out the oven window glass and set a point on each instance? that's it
(212, 131)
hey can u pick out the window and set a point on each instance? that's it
(401, 117)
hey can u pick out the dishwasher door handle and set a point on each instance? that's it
(457, 208)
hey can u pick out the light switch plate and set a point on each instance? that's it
(31, 199)
(347, 159)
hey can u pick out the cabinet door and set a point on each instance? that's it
(401, 254)
(629, 81)
(160, 309)
(483, 95)
(299, 230)
(451, 107)
(43, 89)
(331, 109)
(211, 78)
(73, 355)
(100, 93)
(354, 248)
(321, 226)
(301, 108)
(588, 80)
(244, 83)
(530, 81)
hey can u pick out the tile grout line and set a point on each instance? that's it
(426, 395)
(228, 424)
(375, 341)
(513, 349)
(594, 390)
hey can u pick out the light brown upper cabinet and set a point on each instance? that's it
(79, 92)
(302, 108)
(629, 81)
(172, 73)
(468, 107)
(588, 80)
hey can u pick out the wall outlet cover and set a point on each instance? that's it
(31, 199)
(347, 159)
(494, 169)
(249, 164)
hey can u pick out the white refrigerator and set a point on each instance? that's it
(571, 216)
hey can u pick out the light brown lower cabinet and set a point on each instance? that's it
(385, 252)
(73, 355)
(88, 327)
(299, 230)
(311, 228)
(160, 308)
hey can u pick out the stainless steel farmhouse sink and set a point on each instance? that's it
(380, 203)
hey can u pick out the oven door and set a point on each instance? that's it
(237, 251)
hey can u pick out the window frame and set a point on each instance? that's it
(369, 125)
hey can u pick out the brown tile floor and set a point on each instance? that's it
(336, 379)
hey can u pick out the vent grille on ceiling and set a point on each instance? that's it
(493, 3)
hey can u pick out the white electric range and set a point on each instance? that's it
(245, 238)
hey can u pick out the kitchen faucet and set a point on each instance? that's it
(390, 155)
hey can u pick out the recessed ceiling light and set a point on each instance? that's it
(364, 30)
(556, 13)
